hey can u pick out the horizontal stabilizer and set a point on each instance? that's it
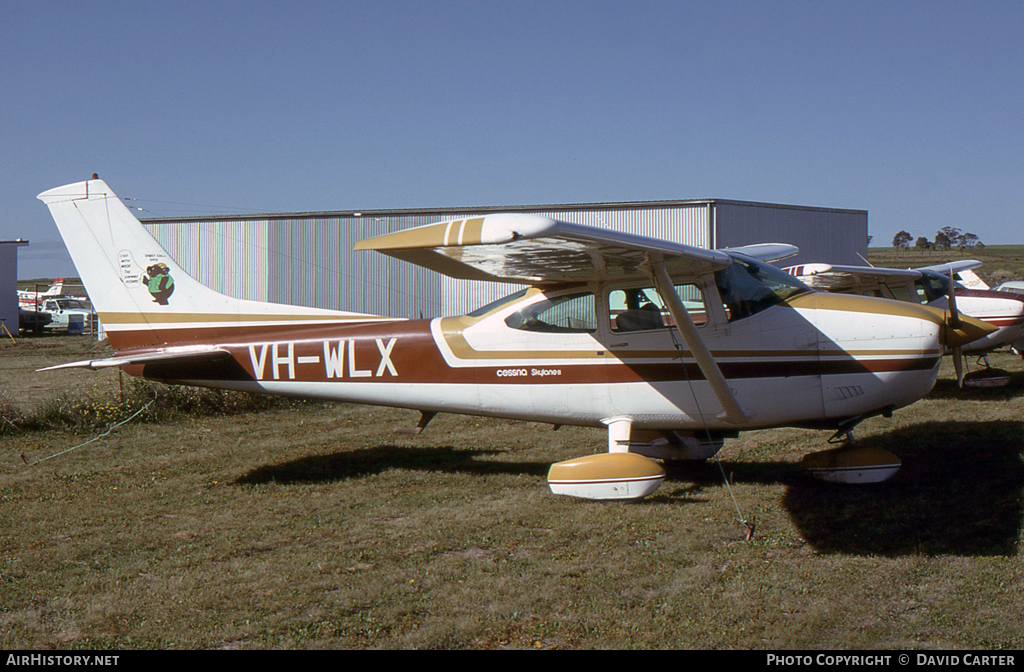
(175, 356)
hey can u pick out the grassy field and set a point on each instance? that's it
(1000, 263)
(309, 525)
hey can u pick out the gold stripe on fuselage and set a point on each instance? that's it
(853, 303)
(211, 318)
(452, 331)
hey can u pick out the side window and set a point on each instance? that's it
(572, 313)
(900, 292)
(642, 309)
(500, 303)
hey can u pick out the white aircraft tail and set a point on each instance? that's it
(142, 297)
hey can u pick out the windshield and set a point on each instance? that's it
(68, 303)
(748, 286)
(932, 285)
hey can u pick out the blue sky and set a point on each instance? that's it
(910, 110)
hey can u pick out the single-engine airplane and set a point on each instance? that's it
(30, 300)
(931, 286)
(672, 348)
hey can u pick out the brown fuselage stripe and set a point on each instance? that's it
(416, 359)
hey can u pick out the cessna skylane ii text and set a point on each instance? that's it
(671, 347)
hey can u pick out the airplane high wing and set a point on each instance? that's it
(837, 277)
(530, 249)
(955, 266)
(671, 348)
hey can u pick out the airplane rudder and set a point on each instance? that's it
(116, 257)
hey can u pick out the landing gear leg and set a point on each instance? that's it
(618, 433)
(844, 434)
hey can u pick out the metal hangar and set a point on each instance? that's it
(307, 258)
(9, 285)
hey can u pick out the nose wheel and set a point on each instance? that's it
(850, 462)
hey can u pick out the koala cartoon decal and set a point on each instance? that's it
(159, 282)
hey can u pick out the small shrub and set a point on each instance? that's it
(1001, 276)
(10, 416)
(141, 400)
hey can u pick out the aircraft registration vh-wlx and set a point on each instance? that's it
(673, 348)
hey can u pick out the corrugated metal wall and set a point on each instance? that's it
(9, 286)
(308, 260)
(303, 261)
(823, 235)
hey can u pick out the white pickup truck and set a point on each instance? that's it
(62, 311)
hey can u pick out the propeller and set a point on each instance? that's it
(958, 330)
(954, 322)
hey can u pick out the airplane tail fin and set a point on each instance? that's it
(142, 297)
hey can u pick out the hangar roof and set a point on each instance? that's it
(492, 208)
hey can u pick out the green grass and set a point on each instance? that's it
(316, 526)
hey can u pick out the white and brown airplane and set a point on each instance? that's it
(671, 347)
(30, 300)
(930, 286)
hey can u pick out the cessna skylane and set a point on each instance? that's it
(672, 348)
(931, 286)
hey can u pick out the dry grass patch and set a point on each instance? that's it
(315, 526)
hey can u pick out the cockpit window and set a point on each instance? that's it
(748, 286)
(570, 313)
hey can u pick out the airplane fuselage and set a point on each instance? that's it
(1005, 312)
(797, 363)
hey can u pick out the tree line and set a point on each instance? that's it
(945, 238)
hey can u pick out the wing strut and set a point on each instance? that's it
(733, 412)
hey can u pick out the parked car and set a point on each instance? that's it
(33, 320)
(62, 311)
